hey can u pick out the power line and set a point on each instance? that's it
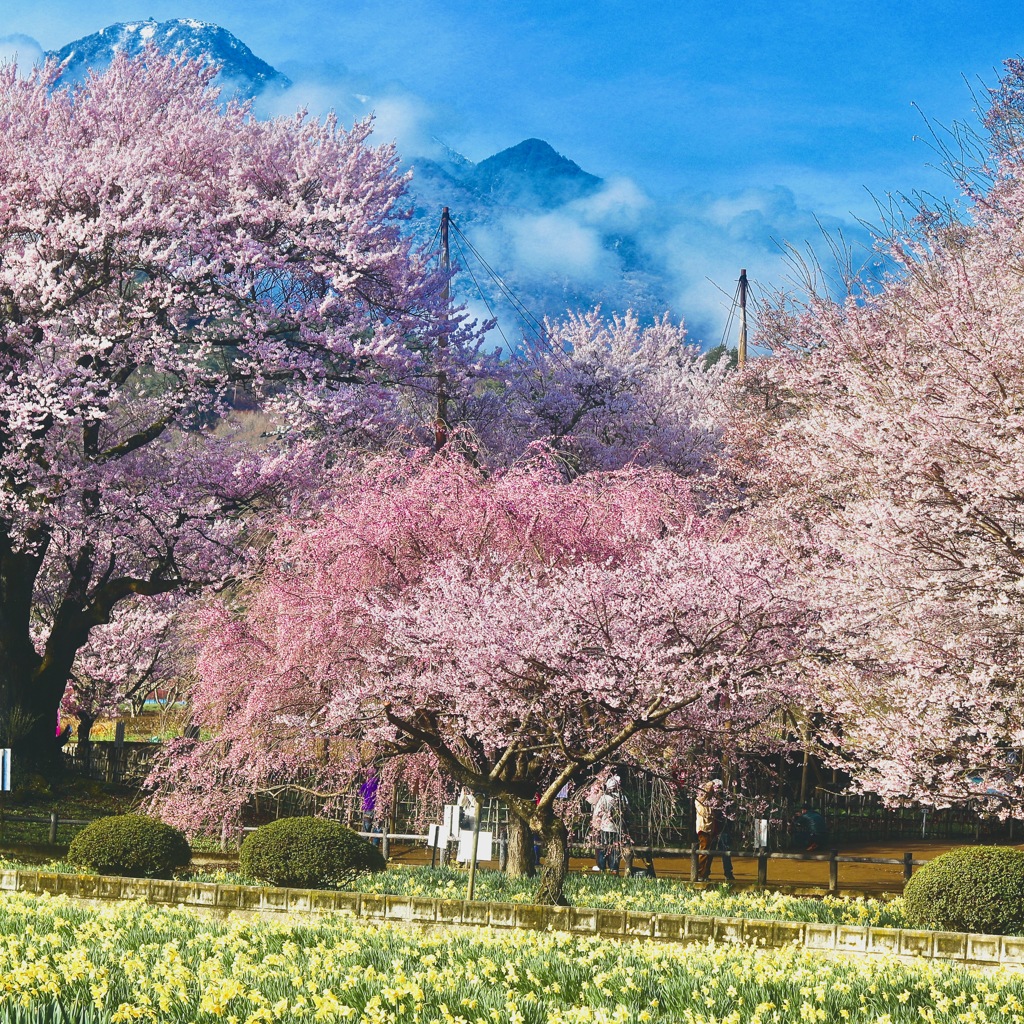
(533, 324)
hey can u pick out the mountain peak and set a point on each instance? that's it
(534, 170)
(241, 71)
(532, 156)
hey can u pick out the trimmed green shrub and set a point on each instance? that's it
(132, 845)
(307, 853)
(969, 889)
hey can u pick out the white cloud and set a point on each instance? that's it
(399, 115)
(709, 239)
(558, 243)
(619, 205)
(21, 49)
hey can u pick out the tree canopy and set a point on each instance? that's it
(162, 254)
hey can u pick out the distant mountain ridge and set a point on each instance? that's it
(525, 207)
(519, 170)
(242, 72)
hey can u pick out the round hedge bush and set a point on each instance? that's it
(132, 845)
(307, 853)
(969, 889)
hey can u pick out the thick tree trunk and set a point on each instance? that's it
(520, 862)
(19, 660)
(556, 861)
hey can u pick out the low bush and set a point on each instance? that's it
(132, 845)
(307, 853)
(970, 889)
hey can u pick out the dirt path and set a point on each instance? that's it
(867, 878)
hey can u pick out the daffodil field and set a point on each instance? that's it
(66, 962)
(650, 895)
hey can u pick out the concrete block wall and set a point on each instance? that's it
(1004, 950)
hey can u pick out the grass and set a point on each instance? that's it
(71, 796)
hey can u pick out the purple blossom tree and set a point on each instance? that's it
(160, 255)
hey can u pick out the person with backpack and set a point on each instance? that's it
(810, 830)
(724, 818)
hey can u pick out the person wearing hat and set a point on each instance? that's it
(704, 805)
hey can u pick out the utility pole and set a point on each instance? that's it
(441, 421)
(741, 354)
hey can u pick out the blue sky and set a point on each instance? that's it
(741, 125)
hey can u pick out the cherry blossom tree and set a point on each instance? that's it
(888, 428)
(608, 393)
(145, 648)
(162, 254)
(517, 629)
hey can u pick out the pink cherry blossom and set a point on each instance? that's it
(163, 258)
(517, 629)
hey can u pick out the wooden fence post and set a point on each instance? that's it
(118, 770)
(53, 828)
(762, 868)
(693, 863)
(833, 871)
(908, 865)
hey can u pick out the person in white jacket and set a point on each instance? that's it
(606, 823)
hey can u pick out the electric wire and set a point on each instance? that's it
(529, 320)
(469, 270)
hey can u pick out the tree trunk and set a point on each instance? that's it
(19, 661)
(18, 657)
(84, 752)
(520, 862)
(556, 861)
(39, 747)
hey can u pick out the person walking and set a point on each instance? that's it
(368, 801)
(725, 816)
(606, 823)
(467, 821)
(704, 807)
(810, 830)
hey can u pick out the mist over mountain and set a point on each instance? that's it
(242, 72)
(558, 237)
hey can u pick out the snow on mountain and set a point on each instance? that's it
(558, 236)
(242, 72)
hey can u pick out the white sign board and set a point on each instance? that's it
(484, 849)
(761, 834)
(5, 769)
(437, 836)
(451, 819)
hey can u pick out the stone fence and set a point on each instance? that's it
(960, 947)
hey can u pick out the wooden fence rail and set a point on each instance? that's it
(833, 857)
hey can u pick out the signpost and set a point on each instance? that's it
(5, 780)
(474, 845)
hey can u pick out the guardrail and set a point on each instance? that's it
(53, 821)
(834, 858)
